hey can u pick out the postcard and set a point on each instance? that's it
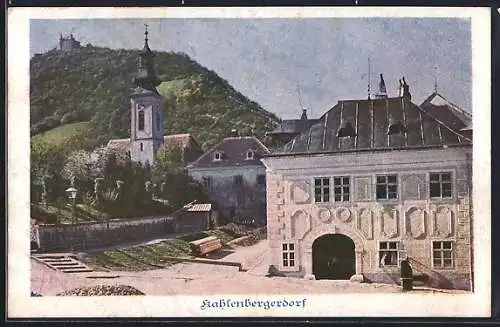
(224, 162)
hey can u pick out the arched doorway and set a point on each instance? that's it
(333, 257)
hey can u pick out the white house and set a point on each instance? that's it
(371, 183)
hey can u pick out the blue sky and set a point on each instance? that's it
(268, 60)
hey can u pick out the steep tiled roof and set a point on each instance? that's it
(121, 144)
(233, 151)
(445, 111)
(369, 121)
(181, 140)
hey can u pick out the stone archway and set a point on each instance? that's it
(329, 229)
(333, 257)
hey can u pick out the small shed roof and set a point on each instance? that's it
(200, 207)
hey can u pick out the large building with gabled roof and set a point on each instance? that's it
(373, 182)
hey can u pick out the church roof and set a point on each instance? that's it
(180, 140)
(443, 110)
(233, 152)
(376, 124)
(120, 144)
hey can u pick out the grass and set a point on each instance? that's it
(62, 214)
(151, 256)
(58, 135)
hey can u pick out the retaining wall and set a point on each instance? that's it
(88, 235)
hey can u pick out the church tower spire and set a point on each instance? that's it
(147, 110)
(146, 77)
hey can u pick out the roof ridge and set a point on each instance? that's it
(261, 144)
(451, 104)
(441, 123)
(454, 106)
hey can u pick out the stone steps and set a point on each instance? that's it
(64, 262)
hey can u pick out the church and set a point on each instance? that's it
(147, 118)
(372, 182)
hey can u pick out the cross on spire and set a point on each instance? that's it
(146, 32)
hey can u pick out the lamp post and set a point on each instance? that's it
(72, 192)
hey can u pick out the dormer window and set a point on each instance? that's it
(217, 156)
(396, 128)
(346, 130)
(250, 154)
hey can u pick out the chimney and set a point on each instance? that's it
(234, 133)
(382, 91)
(400, 89)
(304, 114)
(406, 90)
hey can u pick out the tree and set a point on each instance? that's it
(45, 159)
(169, 158)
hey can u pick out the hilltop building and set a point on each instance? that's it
(234, 178)
(371, 183)
(68, 43)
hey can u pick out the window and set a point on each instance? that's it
(387, 187)
(346, 130)
(141, 120)
(207, 181)
(341, 189)
(142, 146)
(388, 254)
(396, 128)
(442, 254)
(250, 155)
(440, 185)
(261, 179)
(238, 180)
(288, 255)
(322, 189)
(217, 156)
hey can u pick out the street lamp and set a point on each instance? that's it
(72, 192)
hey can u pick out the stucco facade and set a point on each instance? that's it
(416, 225)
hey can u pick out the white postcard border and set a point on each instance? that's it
(20, 304)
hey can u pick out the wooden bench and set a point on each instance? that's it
(205, 245)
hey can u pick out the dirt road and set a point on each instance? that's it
(203, 279)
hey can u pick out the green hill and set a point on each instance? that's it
(93, 85)
(64, 132)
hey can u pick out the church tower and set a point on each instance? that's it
(146, 110)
